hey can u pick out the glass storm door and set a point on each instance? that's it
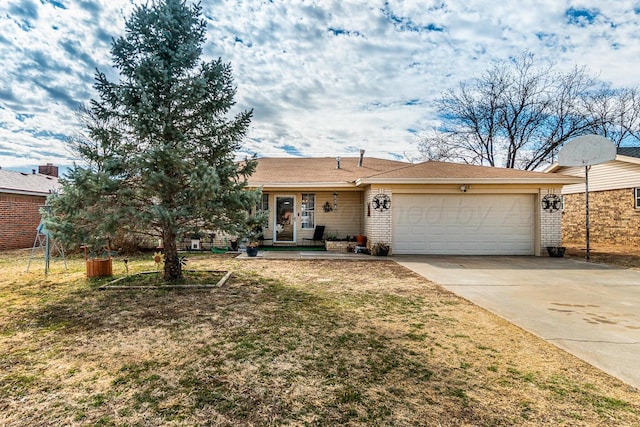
(285, 226)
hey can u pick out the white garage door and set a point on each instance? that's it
(466, 224)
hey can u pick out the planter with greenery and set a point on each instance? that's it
(380, 249)
(252, 250)
(333, 243)
(252, 237)
(556, 251)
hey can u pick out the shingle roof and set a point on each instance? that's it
(317, 170)
(26, 183)
(322, 170)
(445, 170)
(629, 151)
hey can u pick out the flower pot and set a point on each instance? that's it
(382, 252)
(556, 251)
(252, 251)
(99, 267)
(380, 249)
(362, 240)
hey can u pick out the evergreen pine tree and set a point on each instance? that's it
(159, 153)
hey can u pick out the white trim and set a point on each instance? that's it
(309, 184)
(628, 159)
(24, 192)
(565, 179)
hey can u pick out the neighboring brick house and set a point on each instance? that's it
(614, 201)
(21, 197)
(423, 208)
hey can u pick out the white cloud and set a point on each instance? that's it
(324, 78)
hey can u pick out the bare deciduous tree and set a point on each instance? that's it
(518, 114)
(615, 114)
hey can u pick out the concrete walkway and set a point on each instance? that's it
(589, 310)
(311, 255)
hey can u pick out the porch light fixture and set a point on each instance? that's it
(335, 201)
(464, 188)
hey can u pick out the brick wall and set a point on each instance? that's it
(612, 218)
(378, 224)
(48, 169)
(550, 224)
(19, 219)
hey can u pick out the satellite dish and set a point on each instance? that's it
(586, 151)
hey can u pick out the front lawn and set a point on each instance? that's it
(281, 343)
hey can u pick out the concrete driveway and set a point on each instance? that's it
(589, 310)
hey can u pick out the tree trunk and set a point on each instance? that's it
(172, 266)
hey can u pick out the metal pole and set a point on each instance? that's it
(586, 193)
(46, 254)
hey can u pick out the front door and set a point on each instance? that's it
(285, 220)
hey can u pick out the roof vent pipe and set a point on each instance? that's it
(338, 162)
(33, 171)
(361, 158)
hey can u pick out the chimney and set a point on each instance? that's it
(361, 158)
(48, 169)
(338, 162)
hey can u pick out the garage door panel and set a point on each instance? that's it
(464, 224)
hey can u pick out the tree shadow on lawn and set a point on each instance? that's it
(260, 349)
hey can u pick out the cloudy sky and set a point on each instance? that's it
(324, 78)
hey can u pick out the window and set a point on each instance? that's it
(308, 211)
(263, 206)
(636, 193)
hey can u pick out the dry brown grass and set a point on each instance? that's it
(621, 256)
(282, 343)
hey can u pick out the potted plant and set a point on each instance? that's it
(97, 256)
(252, 238)
(252, 249)
(556, 251)
(332, 237)
(380, 249)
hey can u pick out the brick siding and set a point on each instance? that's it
(378, 224)
(19, 219)
(550, 224)
(613, 218)
(48, 169)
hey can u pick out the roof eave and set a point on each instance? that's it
(301, 184)
(628, 159)
(619, 157)
(552, 168)
(537, 181)
(24, 192)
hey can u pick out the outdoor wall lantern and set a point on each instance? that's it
(327, 207)
(335, 201)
